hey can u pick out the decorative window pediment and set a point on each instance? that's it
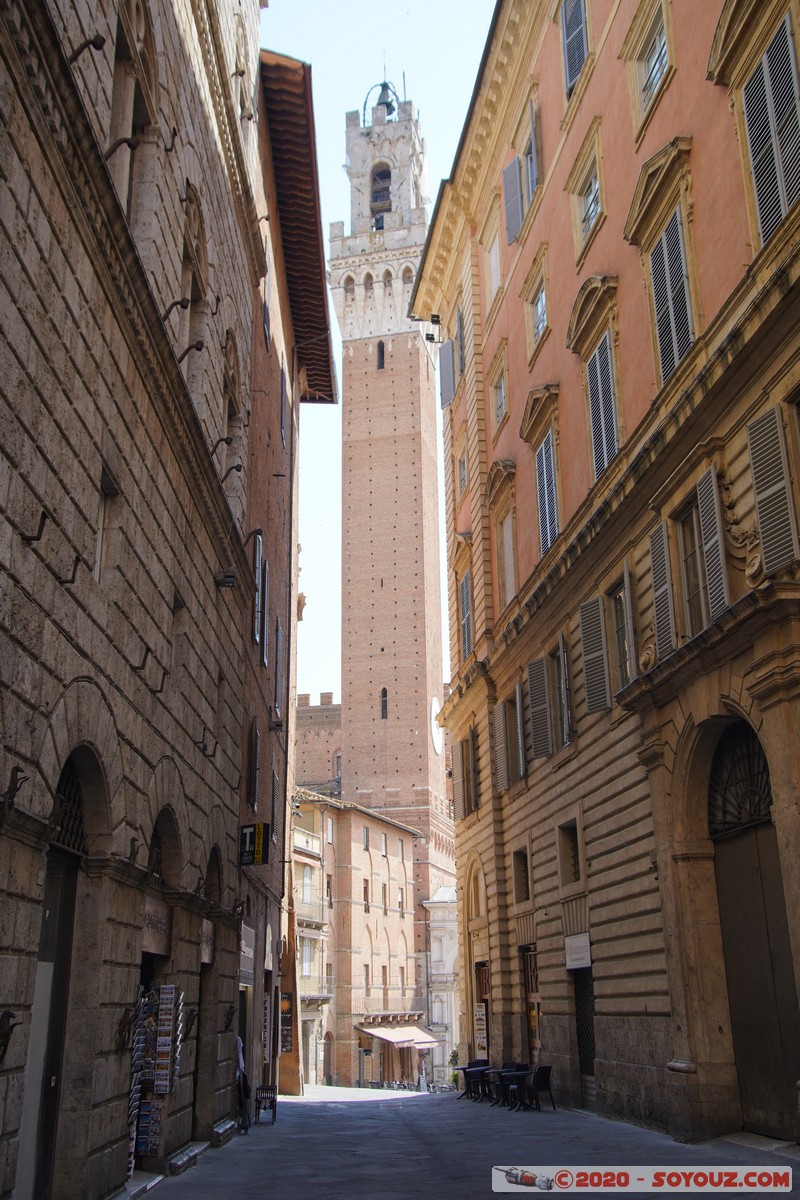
(590, 312)
(540, 411)
(659, 183)
(739, 35)
(500, 476)
(194, 238)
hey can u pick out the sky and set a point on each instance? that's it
(430, 51)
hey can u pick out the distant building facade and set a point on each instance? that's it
(614, 261)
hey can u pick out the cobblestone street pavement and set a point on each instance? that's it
(339, 1143)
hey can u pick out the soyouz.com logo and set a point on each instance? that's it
(642, 1179)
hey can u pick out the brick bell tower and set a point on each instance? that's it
(392, 753)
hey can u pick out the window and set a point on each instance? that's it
(284, 405)
(305, 957)
(366, 895)
(330, 830)
(459, 347)
(509, 740)
(383, 845)
(401, 850)
(329, 890)
(264, 612)
(499, 392)
(133, 101)
(673, 312)
(621, 604)
(602, 406)
(258, 579)
(589, 202)
(365, 838)
(549, 698)
(539, 313)
(400, 902)
(306, 885)
(506, 573)
(381, 191)
(575, 40)
(108, 491)
(465, 775)
(569, 853)
(276, 796)
(254, 765)
(546, 493)
(465, 614)
(704, 583)
(521, 873)
(462, 474)
(493, 278)
(534, 296)
(384, 704)
(385, 897)
(777, 521)
(380, 356)
(653, 63)
(530, 168)
(278, 667)
(402, 980)
(385, 984)
(772, 118)
(366, 979)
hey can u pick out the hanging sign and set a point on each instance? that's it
(253, 845)
(247, 954)
(481, 1042)
(286, 1022)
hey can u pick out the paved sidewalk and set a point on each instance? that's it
(342, 1144)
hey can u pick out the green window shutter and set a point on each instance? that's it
(595, 655)
(257, 549)
(710, 513)
(522, 758)
(633, 665)
(777, 524)
(265, 613)
(458, 781)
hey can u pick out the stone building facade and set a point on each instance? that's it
(133, 267)
(614, 262)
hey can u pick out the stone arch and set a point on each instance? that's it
(216, 839)
(475, 890)
(165, 859)
(231, 373)
(166, 793)
(82, 717)
(387, 280)
(369, 283)
(137, 26)
(212, 887)
(349, 285)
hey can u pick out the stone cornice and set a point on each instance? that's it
(229, 128)
(59, 119)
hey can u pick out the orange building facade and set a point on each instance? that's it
(614, 263)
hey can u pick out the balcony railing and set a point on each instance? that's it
(316, 985)
(315, 909)
(303, 840)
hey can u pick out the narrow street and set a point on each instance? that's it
(337, 1142)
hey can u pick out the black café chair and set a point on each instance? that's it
(471, 1077)
(518, 1083)
(541, 1083)
(496, 1082)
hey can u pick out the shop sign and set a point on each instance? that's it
(253, 845)
(481, 1043)
(286, 1022)
(157, 932)
(247, 954)
(268, 948)
(206, 941)
(577, 951)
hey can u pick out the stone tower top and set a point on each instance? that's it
(373, 267)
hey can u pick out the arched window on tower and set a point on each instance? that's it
(381, 356)
(349, 289)
(380, 194)
(384, 704)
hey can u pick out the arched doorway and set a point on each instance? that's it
(327, 1059)
(762, 996)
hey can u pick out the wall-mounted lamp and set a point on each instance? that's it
(183, 303)
(264, 218)
(247, 114)
(238, 73)
(130, 142)
(198, 345)
(227, 440)
(96, 43)
(435, 319)
(253, 533)
(431, 337)
(225, 579)
(235, 467)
